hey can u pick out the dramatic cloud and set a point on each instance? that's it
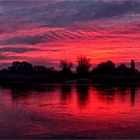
(65, 12)
(50, 31)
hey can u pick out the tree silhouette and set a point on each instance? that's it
(66, 67)
(105, 68)
(21, 67)
(104, 72)
(122, 70)
(40, 69)
(83, 66)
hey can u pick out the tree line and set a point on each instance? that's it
(83, 70)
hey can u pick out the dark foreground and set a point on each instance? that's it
(42, 79)
(70, 111)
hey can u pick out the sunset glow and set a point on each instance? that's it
(45, 32)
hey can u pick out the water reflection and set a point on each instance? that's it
(106, 93)
(97, 109)
(132, 95)
(65, 92)
(83, 95)
(24, 91)
(83, 92)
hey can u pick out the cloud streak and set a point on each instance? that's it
(27, 40)
(17, 50)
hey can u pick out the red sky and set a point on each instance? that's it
(45, 32)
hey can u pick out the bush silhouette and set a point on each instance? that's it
(105, 68)
(66, 67)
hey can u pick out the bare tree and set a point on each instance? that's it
(83, 66)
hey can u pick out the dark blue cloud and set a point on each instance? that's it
(91, 10)
(17, 50)
(27, 40)
(63, 13)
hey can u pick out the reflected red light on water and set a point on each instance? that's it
(71, 111)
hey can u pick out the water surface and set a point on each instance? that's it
(69, 111)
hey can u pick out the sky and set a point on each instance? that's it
(43, 32)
